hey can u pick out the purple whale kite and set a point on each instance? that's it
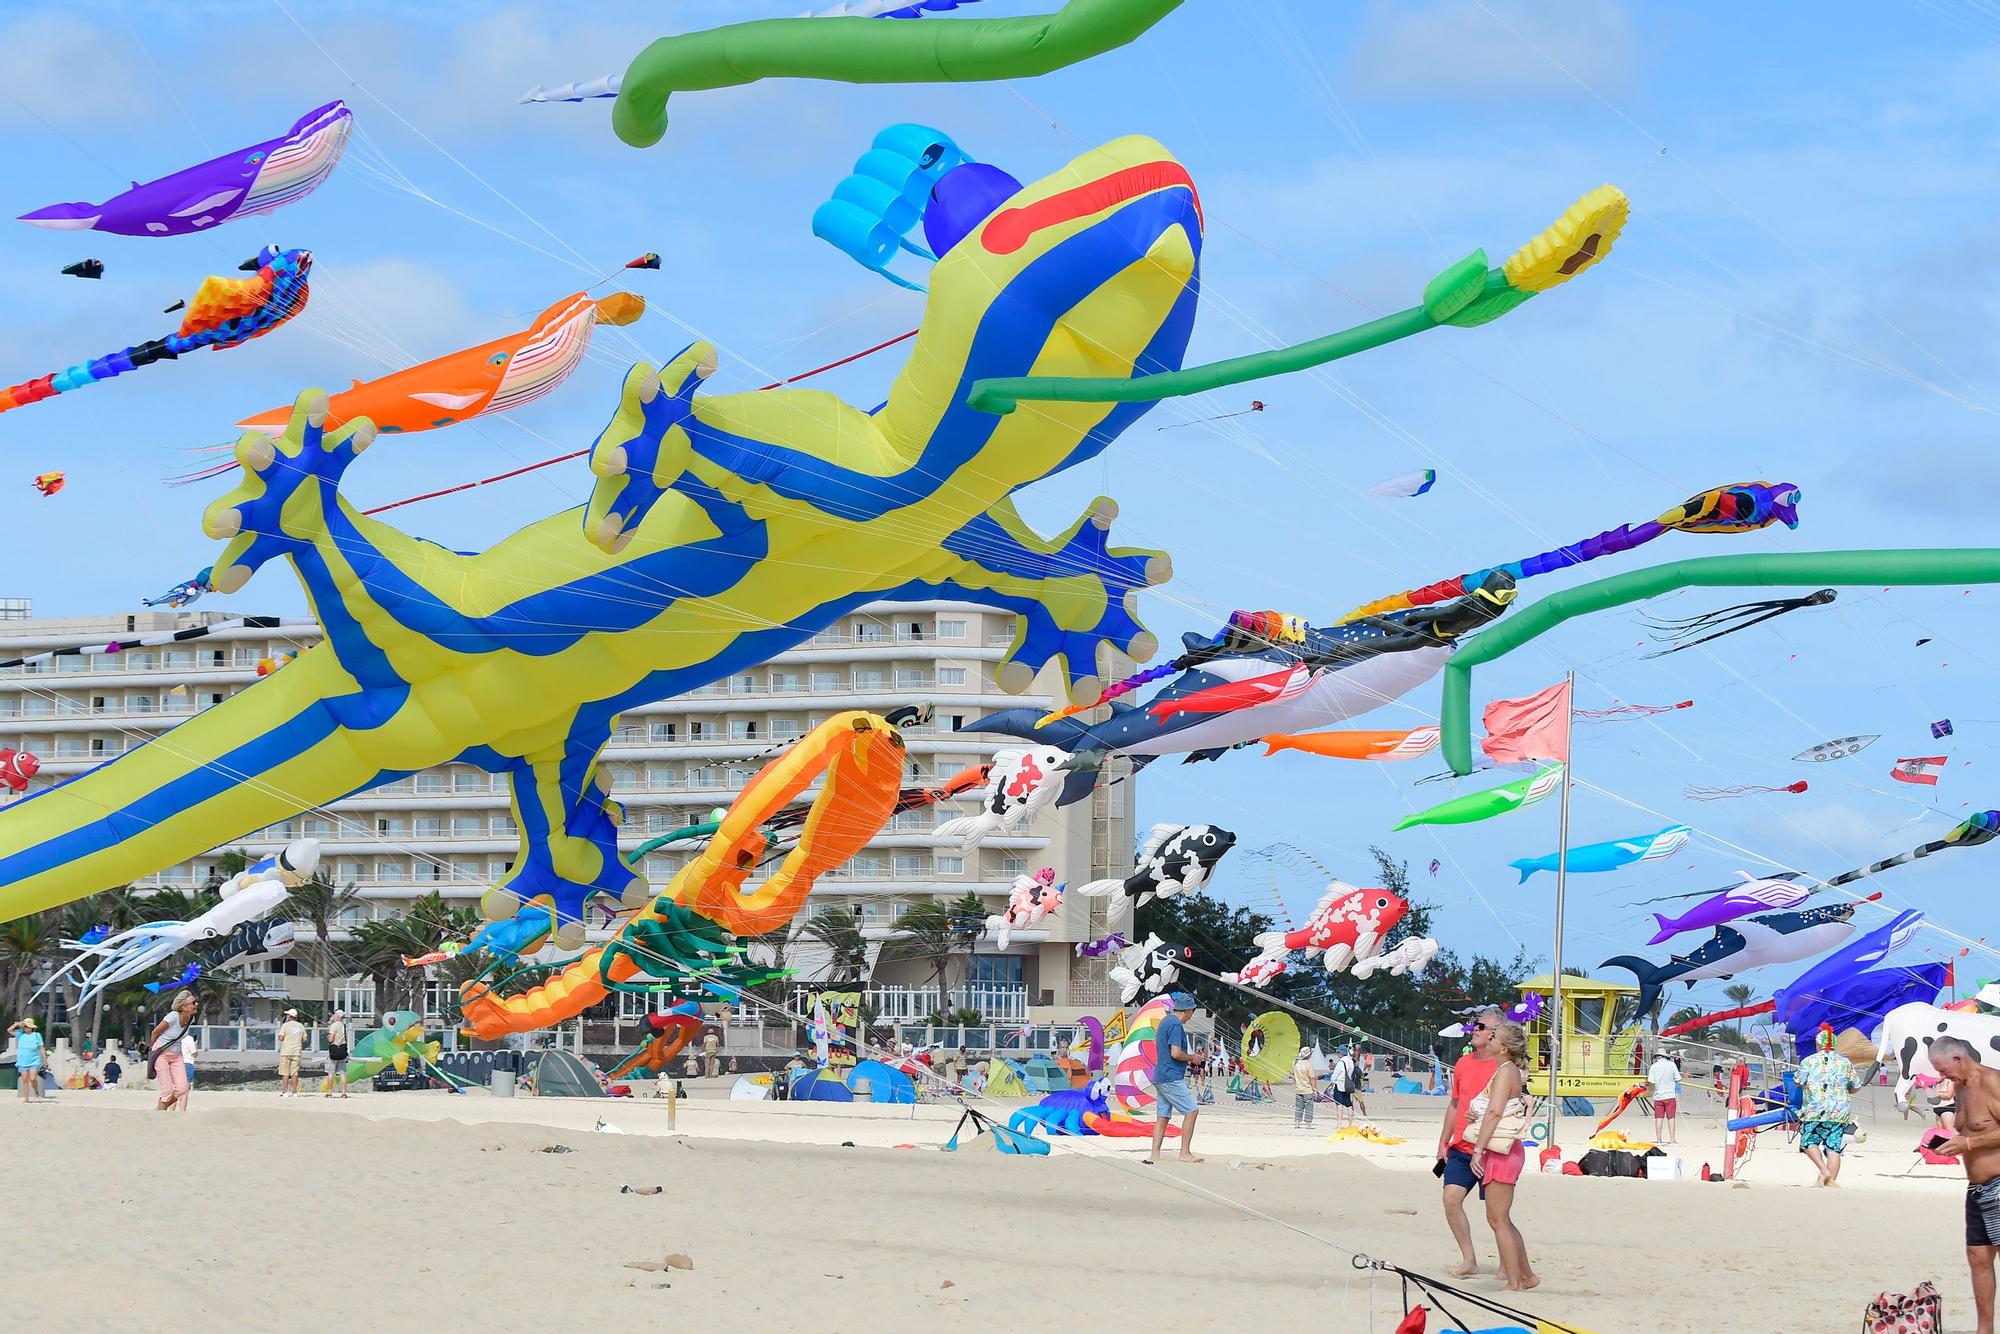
(1752, 896)
(257, 179)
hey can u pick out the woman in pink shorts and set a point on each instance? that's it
(1500, 1170)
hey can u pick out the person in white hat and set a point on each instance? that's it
(336, 1053)
(291, 1046)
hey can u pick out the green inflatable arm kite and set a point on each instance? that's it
(1963, 565)
(1464, 296)
(862, 50)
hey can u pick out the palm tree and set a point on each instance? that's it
(926, 931)
(841, 935)
(320, 902)
(378, 949)
(1739, 995)
(25, 943)
(1683, 1015)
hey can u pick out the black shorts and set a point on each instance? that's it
(1982, 1213)
(1343, 1097)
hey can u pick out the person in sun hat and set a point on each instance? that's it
(1173, 1050)
(27, 1059)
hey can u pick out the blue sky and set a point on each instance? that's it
(1805, 293)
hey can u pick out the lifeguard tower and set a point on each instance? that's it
(1600, 1053)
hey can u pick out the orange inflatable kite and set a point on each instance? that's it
(1410, 745)
(492, 377)
(860, 758)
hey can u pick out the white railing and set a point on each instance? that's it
(996, 1002)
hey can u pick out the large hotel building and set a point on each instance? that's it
(450, 829)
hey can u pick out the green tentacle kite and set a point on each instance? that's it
(1961, 565)
(1464, 296)
(861, 50)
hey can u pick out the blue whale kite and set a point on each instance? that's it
(1610, 856)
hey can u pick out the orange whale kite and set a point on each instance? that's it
(492, 377)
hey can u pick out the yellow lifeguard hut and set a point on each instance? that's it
(1600, 1056)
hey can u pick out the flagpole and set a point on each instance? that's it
(1562, 884)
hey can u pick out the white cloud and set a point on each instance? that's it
(1475, 51)
(73, 73)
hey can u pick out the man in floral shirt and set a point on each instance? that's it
(1829, 1080)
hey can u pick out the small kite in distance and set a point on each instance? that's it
(1921, 769)
(1714, 625)
(1409, 484)
(85, 268)
(1941, 729)
(1837, 749)
(649, 260)
(49, 483)
(1744, 790)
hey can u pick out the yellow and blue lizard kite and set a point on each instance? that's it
(721, 531)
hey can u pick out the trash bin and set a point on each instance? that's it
(503, 1083)
(10, 1078)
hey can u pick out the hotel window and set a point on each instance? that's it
(867, 865)
(908, 677)
(666, 732)
(430, 826)
(951, 629)
(433, 782)
(912, 863)
(467, 826)
(469, 780)
(951, 865)
(951, 676)
(742, 729)
(660, 777)
(826, 683)
(1014, 865)
(870, 678)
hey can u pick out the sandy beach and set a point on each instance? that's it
(424, 1210)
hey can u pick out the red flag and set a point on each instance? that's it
(1922, 769)
(1535, 728)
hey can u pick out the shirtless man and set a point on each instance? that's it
(1978, 1143)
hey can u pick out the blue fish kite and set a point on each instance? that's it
(1610, 856)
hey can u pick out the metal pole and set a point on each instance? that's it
(1562, 879)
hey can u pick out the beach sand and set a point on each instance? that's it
(427, 1211)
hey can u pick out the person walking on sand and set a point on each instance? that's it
(1340, 1081)
(1469, 1078)
(1170, 1088)
(189, 1049)
(1829, 1082)
(163, 1054)
(1977, 1143)
(1666, 1080)
(27, 1059)
(336, 1053)
(291, 1047)
(1302, 1091)
(1500, 1114)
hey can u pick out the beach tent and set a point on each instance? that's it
(746, 1089)
(1044, 1075)
(820, 1086)
(558, 1074)
(1005, 1079)
(882, 1083)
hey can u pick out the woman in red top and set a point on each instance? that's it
(1469, 1078)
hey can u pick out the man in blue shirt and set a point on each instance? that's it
(27, 1058)
(1170, 1062)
